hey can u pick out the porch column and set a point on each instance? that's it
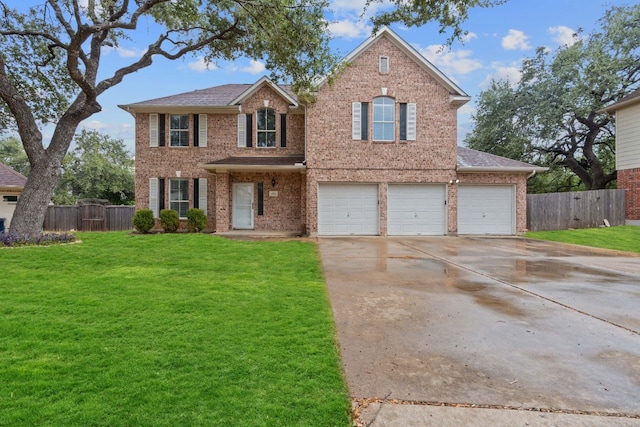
(223, 210)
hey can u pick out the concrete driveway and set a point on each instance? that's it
(478, 331)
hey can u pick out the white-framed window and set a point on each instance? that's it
(10, 199)
(384, 119)
(179, 196)
(266, 127)
(179, 129)
(383, 64)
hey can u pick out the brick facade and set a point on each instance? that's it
(321, 133)
(629, 180)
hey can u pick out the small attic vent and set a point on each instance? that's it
(384, 64)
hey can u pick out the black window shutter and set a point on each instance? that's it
(261, 198)
(403, 121)
(160, 194)
(283, 130)
(196, 192)
(364, 121)
(249, 130)
(196, 130)
(161, 132)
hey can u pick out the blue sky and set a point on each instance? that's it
(499, 38)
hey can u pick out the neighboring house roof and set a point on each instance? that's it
(457, 96)
(218, 98)
(627, 101)
(251, 163)
(10, 179)
(477, 161)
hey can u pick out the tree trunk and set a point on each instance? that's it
(28, 217)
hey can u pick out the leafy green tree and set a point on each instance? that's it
(50, 59)
(553, 116)
(12, 154)
(99, 167)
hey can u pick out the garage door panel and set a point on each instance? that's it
(486, 209)
(416, 209)
(348, 209)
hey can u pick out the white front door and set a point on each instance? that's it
(243, 206)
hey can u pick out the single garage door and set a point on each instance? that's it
(486, 209)
(348, 209)
(416, 210)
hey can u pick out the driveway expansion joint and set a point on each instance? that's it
(504, 282)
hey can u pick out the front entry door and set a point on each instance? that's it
(243, 206)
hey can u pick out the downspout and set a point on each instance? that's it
(531, 174)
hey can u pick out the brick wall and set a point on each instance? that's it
(169, 162)
(629, 180)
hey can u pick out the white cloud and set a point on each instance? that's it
(467, 109)
(516, 40)
(123, 52)
(510, 73)
(348, 29)
(469, 36)
(564, 36)
(256, 67)
(451, 62)
(201, 65)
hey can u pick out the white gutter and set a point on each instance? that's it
(471, 169)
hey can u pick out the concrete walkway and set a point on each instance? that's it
(486, 331)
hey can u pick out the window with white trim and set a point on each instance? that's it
(384, 128)
(179, 196)
(383, 64)
(179, 130)
(266, 127)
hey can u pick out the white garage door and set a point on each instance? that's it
(416, 210)
(486, 209)
(348, 209)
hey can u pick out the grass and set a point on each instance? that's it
(622, 238)
(167, 330)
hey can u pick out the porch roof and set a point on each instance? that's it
(256, 164)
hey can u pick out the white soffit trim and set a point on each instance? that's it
(257, 85)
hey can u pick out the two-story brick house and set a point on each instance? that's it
(374, 153)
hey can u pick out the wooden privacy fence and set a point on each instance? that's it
(583, 209)
(90, 217)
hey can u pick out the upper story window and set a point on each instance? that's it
(383, 64)
(179, 128)
(266, 127)
(384, 119)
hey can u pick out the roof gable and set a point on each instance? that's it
(457, 95)
(10, 178)
(264, 81)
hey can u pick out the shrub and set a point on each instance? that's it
(143, 220)
(169, 220)
(196, 220)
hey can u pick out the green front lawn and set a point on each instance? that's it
(167, 330)
(621, 238)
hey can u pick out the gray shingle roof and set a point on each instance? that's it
(217, 96)
(11, 178)
(473, 159)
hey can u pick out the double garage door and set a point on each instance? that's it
(353, 209)
(414, 209)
